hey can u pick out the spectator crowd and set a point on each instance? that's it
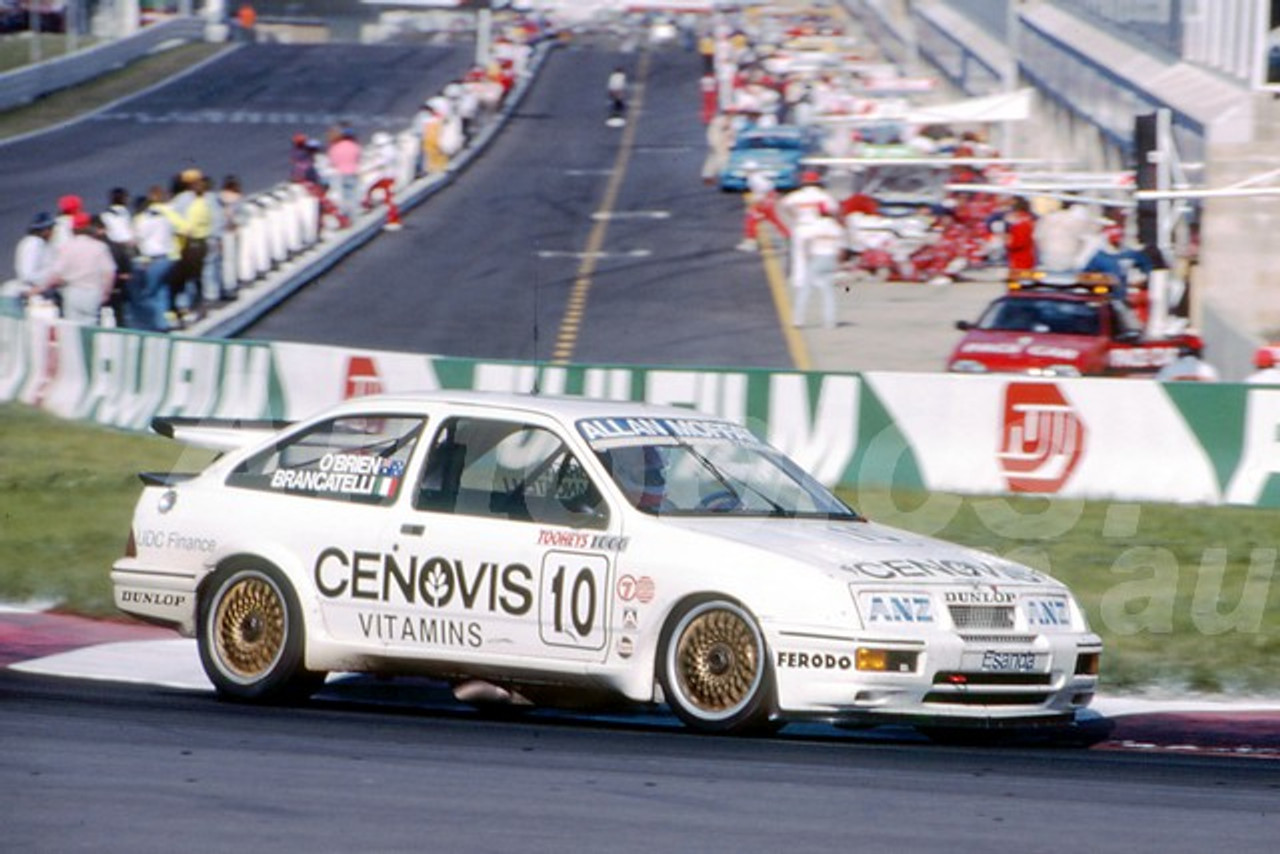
(160, 260)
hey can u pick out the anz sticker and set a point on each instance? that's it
(897, 608)
(1051, 613)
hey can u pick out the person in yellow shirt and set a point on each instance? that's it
(192, 207)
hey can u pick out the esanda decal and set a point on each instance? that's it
(437, 582)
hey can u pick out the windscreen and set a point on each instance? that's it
(702, 467)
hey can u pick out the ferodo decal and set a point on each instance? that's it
(434, 582)
(1042, 438)
(814, 661)
(343, 474)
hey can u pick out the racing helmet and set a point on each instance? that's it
(639, 473)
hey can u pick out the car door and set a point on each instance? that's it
(504, 549)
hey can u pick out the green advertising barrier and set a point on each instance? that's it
(1082, 438)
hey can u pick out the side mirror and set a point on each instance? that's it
(963, 325)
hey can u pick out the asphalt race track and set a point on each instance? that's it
(104, 767)
(504, 246)
(234, 115)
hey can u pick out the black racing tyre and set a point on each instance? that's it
(714, 668)
(251, 636)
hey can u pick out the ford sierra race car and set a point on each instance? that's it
(555, 549)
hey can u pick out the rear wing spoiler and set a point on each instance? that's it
(218, 434)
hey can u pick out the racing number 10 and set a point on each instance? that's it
(573, 600)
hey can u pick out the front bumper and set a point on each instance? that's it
(1011, 679)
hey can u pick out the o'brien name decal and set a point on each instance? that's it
(600, 429)
(345, 474)
(925, 568)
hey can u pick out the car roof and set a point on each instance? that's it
(1056, 295)
(565, 408)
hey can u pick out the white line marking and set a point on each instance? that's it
(582, 256)
(611, 215)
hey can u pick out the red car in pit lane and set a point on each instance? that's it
(1079, 328)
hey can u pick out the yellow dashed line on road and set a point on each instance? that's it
(567, 337)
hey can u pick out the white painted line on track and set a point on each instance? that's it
(169, 663)
(582, 256)
(612, 215)
(36, 606)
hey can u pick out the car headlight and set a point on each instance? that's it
(967, 366)
(1055, 371)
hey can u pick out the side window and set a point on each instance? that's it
(507, 470)
(346, 459)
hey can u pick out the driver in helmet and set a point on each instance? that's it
(639, 472)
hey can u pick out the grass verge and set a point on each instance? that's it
(67, 492)
(1183, 596)
(67, 104)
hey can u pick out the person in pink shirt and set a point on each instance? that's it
(344, 159)
(83, 271)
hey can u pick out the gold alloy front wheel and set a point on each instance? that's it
(715, 672)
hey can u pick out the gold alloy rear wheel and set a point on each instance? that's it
(250, 627)
(252, 636)
(715, 672)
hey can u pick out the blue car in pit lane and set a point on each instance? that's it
(777, 151)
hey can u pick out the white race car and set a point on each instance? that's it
(551, 550)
